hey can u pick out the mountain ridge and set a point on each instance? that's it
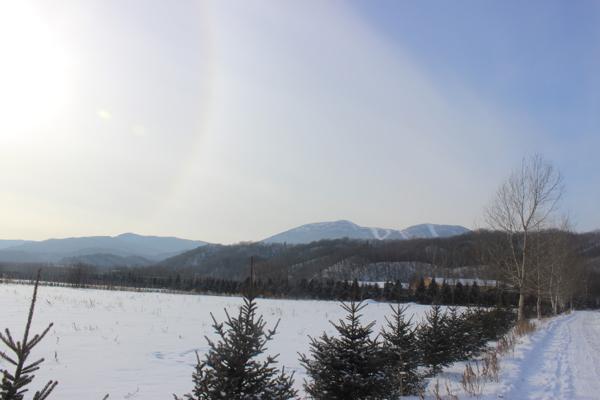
(129, 249)
(124, 246)
(344, 228)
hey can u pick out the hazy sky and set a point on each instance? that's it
(230, 121)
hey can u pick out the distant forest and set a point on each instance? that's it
(338, 270)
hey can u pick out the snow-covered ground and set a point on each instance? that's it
(560, 361)
(142, 345)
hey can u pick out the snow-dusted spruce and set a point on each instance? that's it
(434, 343)
(495, 322)
(230, 370)
(401, 355)
(13, 385)
(348, 367)
(466, 337)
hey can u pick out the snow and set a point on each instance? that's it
(376, 234)
(142, 345)
(560, 361)
(432, 230)
(563, 361)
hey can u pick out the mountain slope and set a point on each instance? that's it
(340, 229)
(125, 245)
(4, 244)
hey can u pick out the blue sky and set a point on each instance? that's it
(230, 121)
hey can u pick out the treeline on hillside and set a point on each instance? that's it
(317, 270)
(462, 256)
(459, 256)
(307, 261)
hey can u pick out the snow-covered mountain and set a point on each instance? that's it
(125, 245)
(130, 249)
(340, 229)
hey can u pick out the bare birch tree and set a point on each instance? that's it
(565, 269)
(526, 203)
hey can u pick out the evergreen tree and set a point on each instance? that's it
(495, 322)
(401, 355)
(348, 367)
(459, 294)
(445, 294)
(421, 292)
(355, 290)
(474, 294)
(230, 371)
(434, 342)
(433, 292)
(376, 292)
(458, 332)
(388, 292)
(475, 326)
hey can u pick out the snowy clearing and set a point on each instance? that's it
(142, 345)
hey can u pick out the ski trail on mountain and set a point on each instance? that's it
(376, 234)
(562, 361)
(432, 231)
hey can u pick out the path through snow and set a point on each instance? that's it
(561, 361)
(564, 360)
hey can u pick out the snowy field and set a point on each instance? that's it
(142, 345)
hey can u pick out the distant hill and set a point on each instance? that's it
(340, 229)
(11, 243)
(125, 249)
(131, 250)
(338, 259)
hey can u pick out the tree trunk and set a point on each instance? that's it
(520, 312)
(539, 305)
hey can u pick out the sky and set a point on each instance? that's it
(229, 120)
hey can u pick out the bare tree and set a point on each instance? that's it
(565, 268)
(526, 203)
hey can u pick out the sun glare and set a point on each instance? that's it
(33, 71)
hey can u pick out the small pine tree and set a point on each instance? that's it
(348, 367)
(13, 385)
(495, 322)
(503, 319)
(475, 323)
(401, 355)
(434, 342)
(230, 371)
(458, 331)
